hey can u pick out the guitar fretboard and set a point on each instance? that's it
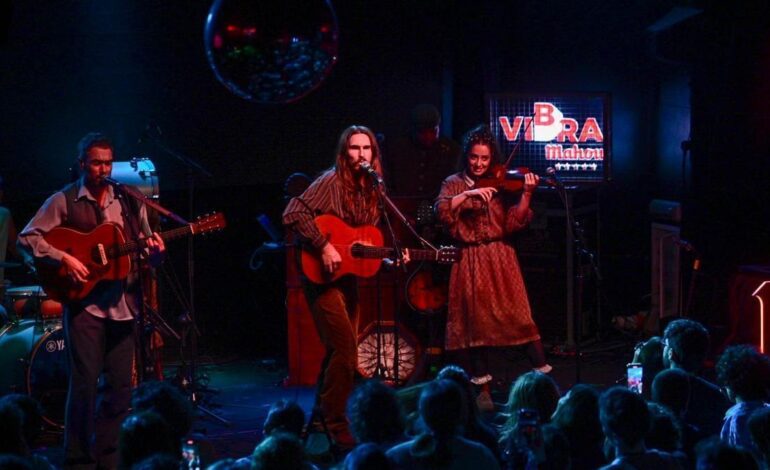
(366, 251)
(135, 245)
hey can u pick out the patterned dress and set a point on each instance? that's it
(488, 304)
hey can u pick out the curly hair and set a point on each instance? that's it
(745, 372)
(689, 341)
(375, 413)
(624, 415)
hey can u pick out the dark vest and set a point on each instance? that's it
(84, 215)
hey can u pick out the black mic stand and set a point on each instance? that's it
(188, 319)
(579, 253)
(142, 316)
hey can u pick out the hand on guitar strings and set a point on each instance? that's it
(331, 258)
(156, 248)
(74, 270)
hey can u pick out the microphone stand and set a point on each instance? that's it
(137, 195)
(575, 234)
(189, 318)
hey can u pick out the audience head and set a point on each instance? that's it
(142, 435)
(686, 344)
(31, 415)
(533, 390)
(14, 462)
(442, 407)
(375, 413)
(624, 416)
(286, 416)
(759, 429)
(671, 388)
(715, 454)
(577, 415)
(745, 373)
(11, 430)
(460, 377)
(168, 402)
(665, 432)
(367, 456)
(279, 451)
(158, 462)
(650, 355)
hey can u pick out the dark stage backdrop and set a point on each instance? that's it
(69, 67)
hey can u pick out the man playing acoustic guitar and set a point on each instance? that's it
(99, 328)
(345, 191)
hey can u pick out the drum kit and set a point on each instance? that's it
(32, 352)
(33, 356)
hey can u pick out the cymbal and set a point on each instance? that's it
(9, 264)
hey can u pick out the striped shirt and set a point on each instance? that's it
(326, 195)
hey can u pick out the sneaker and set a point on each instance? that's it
(546, 369)
(484, 379)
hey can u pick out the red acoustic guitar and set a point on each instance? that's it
(361, 251)
(105, 252)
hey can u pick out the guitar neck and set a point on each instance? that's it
(135, 245)
(365, 251)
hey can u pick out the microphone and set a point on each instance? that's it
(113, 182)
(553, 177)
(367, 167)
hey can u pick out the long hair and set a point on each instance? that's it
(533, 390)
(351, 182)
(479, 135)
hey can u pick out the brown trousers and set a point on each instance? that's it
(335, 312)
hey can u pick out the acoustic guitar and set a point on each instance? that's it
(106, 254)
(361, 249)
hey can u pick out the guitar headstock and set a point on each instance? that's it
(208, 223)
(448, 255)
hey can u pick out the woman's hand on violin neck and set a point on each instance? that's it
(531, 181)
(485, 194)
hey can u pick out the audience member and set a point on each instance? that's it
(577, 415)
(557, 449)
(665, 432)
(168, 402)
(759, 428)
(474, 427)
(367, 456)
(686, 344)
(31, 426)
(142, 435)
(625, 420)
(375, 414)
(161, 462)
(715, 454)
(441, 409)
(745, 374)
(11, 433)
(285, 416)
(650, 355)
(534, 390)
(671, 388)
(280, 451)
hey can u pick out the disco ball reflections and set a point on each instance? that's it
(271, 51)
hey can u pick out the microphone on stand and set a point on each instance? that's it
(113, 182)
(367, 167)
(553, 177)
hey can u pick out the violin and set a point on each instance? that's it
(504, 179)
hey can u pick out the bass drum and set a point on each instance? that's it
(139, 172)
(33, 360)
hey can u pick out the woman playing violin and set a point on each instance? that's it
(488, 303)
